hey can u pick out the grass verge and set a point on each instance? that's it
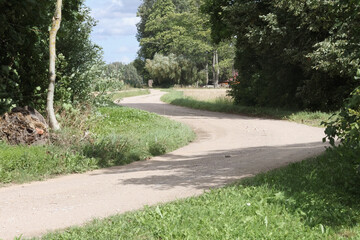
(113, 136)
(312, 199)
(128, 93)
(223, 104)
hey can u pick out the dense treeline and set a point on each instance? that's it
(176, 46)
(24, 53)
(294, 53)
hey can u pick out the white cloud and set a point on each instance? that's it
(114, 19)
(118, 2)
(116, 28)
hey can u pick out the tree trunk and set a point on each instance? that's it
(53, 123)
(207, 73)
(215, 69)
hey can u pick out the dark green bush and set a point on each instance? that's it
(346, 126)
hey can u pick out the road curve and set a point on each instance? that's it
(228, 147)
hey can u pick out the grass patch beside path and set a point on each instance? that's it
(224, 104)
(128, 93)
(118, 135)
(313, 199)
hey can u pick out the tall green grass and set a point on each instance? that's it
(139, 134)
(314, 199)
(26, 163)
(226, 105)
(115, 136)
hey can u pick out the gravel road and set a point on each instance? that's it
(228, 147)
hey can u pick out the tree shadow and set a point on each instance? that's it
(211, 170)
(317, 188)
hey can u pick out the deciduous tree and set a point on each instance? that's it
(56, 21)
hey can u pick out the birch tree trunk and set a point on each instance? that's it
(215, 69)
(53, 123)
(207, 73)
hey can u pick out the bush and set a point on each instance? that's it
(346, 126)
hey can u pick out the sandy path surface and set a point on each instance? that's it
(228, 147)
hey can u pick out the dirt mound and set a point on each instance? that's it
(23, 126)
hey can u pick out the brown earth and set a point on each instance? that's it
(228, 147)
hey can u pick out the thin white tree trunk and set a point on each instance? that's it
(215, 69)
(207, 73)
(53, 123)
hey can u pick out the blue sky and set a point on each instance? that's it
(116, 28)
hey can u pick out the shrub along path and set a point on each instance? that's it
(228, 147)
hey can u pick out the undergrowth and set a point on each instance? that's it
(89, 139)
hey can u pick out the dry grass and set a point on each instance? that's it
(206, 94)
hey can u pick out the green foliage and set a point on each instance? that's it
(105, 84)
(346, 126)
(131, 76)
(114, 76)
(313, 199)
(78, 58)
(24, 53)
(164, 69)
(177, 29)
(290, 53)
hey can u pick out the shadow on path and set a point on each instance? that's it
(213, 169)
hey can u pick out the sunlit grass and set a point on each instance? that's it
(128, 93)
(208, 99)
(206, 94)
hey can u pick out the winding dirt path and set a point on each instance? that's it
(228, 147)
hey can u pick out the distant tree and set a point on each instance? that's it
(179, 28)
(164, 69)
(131, 76)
